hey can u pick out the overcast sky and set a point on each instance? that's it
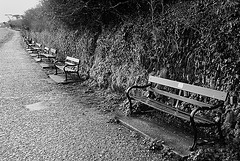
(15, 7)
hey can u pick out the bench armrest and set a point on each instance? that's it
(71, 65)
(221, 103)
(68, 65)
(57, 61)
(136, 86)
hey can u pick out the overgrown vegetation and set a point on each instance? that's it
(120, 42)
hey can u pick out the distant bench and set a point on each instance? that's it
(196, 116)
(48, 53)
(39, 51)
(43, 52)
(27, 40)
(70, 65)
(33, 46)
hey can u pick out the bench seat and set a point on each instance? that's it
(33, 47)
(171, 110)
(48, 55)
(67, 69)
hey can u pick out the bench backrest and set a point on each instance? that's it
(46, 49)
(39, 45)
(53, 51)
(219, 95)
(72, 61)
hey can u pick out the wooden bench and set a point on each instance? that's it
(49, 53)
(27, 40)
(182, 93)
(30, 44)
(45, 50)
(34, 47)
(37, 47)
(70, 65)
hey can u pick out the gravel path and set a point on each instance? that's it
(67, 130)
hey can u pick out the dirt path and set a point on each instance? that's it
(69, 128)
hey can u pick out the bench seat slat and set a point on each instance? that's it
(181, 98)
(72, 59)
(32, 49)
(69, 66)
(31, 44)
(39, 45)
(46, 49)
(69, 63)
(66, 68)
(53, 51)
(171, 110)
(36, 48)
(191, 88)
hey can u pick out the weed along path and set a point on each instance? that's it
(41, 120)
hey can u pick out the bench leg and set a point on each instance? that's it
(192, 148)
(65, 76)
(56, 72)
(78, 75)
(130, 105)
(221, 138)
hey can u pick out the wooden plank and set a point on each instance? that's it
(48, 55)
(70, 63)
(181, 98)
(190, 88)
(73, 59)
(39, 45)
(53, 51)
(46, 49)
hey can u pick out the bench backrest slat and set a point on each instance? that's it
(181, 98)
(69, 63)
(46, 49)
(75, 60)
(39, 45)
(190, 88)
(53, 51)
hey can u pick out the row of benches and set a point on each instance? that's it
(197, 107)
(161, 89)
(68, 66)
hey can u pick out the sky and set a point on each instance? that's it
(15, 7)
